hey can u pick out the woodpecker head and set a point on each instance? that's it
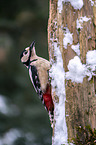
(27, 54)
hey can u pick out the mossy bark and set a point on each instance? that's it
(81, 97)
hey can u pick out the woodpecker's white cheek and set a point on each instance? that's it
(25, 57)
(22, 59)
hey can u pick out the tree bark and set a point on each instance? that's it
(80, 97)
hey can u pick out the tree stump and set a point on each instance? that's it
(69, 26)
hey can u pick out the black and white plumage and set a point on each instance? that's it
(38, 71)
(35, 80)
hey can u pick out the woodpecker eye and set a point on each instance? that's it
(25, 52)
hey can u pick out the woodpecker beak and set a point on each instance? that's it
(32, 45)
(30, 48)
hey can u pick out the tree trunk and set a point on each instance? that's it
(72, 29)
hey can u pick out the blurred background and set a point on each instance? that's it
(23, 119)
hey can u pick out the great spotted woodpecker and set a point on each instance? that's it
(38, 71)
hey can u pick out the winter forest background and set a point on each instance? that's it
(23, 119)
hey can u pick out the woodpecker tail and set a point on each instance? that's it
(51, 116)
(49, 103)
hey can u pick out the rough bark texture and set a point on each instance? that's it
(81, 98)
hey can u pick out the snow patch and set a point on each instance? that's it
(91, 58)
(91, 62)
(60, 5)
(92, 2)
(68, 38)
(76, 70)
(57, 74)
(80, 21)
(76, 49)
(77, 4)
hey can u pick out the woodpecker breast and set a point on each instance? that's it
(42, 66)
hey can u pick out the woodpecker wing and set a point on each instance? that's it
(35, 80)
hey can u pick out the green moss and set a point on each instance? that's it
(79, 30)
(85, 136)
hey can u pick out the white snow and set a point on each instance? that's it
(80, 21)
(77, 4)
(92, 2)
(68, 38)
(57, 74)
(60, 5)
(91, 58)
(91, 63)
(76, 49)
(76, 70)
